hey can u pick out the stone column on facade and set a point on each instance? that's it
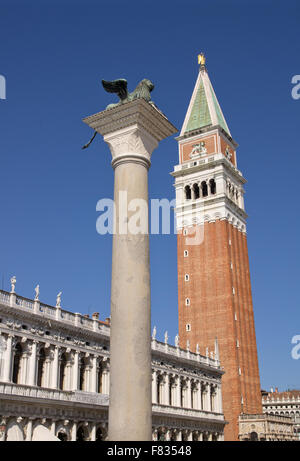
(200, 437)
(75, 371)
(29, 430)
(219, 399)
(32, 366)
(24, 361)
(190, 436)
(161, 384)
(132, 131)
(178, 391)
(94, 375)
(188, 393)
(8, 359)
(53, 427)
(198, 396)
(179, 435)
(55, 369)
(105, 382)
(74, 432)
(167, 389)
(154, 386)
(93, 433)
(208, 398)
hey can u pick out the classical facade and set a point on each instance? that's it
(54, 378)
(266, 428)
(214, 290)
(285, 403)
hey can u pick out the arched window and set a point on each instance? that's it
(188, 192)
(41, 367)
(99, 435)
(173, 437)
(204, 189)
(100, 378)
(213, 186)
(80, 436)
(253, 437)
(62, 372)
(17, 364)
(196, 191)
(160, 435)
(62, 436)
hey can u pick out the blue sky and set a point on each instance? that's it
(54, 55)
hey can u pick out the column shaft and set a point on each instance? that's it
(130, 410)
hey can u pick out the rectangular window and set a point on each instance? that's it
(185, 253)
(186, 277)
(188, 327)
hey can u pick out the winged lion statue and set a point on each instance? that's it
(142, 91)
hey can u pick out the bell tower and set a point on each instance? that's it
(214, 290)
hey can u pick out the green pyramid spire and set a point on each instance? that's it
(204, 109)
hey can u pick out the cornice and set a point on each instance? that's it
(137, 112)
(208, 165)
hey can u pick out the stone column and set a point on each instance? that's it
(179, 435)
(105, 388)
(199, 398)
(55, 369)
(154, 387)
(7, 359)
(53, 427)
(29, 430)
(190, 436)
(188, 394)
(74, 432)
(208, 398)
(75, 371)
(132, 131)
(178, 392)
(94, 376)
(93, 433)
(219, 399)
(167, 389)
(32, 366)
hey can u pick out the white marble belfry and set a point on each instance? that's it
(132, 131)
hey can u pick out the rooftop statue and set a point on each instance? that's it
(119, 87)
(201, 59)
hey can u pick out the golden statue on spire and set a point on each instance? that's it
(201, 59)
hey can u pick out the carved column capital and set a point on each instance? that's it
(131, 144)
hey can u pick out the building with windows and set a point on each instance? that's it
(266, 428)
(54, 378)
(285, 403)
